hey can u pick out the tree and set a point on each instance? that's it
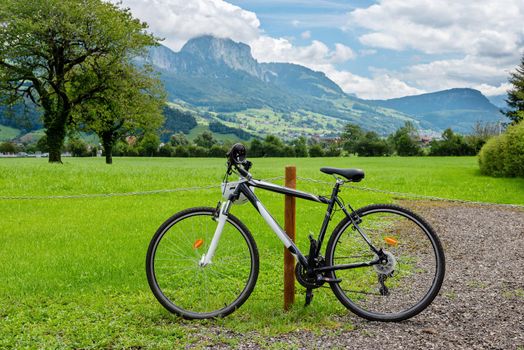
(131, 103)
(405, 140)
(451, 145)
(166, 150)
(516, 95)
(51, 49)
(371, 145)
(205, 140)
(179, 139)
(481, 133)
(351, 135)
(274, 147)
(77, 147)
(316, 150)
(256, 149)
(149, 144)
(332, 150)
(300, 146)
(7, 147)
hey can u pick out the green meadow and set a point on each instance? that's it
(73, 269)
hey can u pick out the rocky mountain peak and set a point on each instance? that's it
(234, 54)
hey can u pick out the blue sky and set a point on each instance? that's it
(373, 49)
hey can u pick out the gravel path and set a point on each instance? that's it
(481, 303)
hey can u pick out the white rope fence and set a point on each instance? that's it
(208, 187)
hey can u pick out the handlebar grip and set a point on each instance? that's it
(237, 154)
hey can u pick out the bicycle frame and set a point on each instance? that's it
(244, 188)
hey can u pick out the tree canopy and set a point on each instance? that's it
(131, 103)
(516, 95)
(52, 49)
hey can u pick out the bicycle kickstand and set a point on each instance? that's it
(309, 296)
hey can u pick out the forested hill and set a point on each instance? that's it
(222, 76)
(454, 107)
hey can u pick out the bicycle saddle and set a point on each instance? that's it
(354, 175)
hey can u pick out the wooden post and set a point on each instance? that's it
(289, 227)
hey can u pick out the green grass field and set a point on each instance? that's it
(73, 269)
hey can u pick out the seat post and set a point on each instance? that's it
(327, 218)
(336, 189)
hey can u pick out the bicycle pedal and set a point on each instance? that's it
(331, 280)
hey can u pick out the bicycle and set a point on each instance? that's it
(383, 262)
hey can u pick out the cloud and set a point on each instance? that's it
(480, 27)
(180, 20)
(382, 86)
(484, 37)
(484, 74)
(489, 90)
(269, 49)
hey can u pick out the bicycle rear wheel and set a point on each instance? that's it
(184, 287)
(394, 290)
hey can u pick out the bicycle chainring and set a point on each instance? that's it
(306, 280)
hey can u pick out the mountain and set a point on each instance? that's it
(221, 82)
(499, 100)
(456, 108)
(221, 79)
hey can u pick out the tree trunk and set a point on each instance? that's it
(107, 141)
(55, 140)
(108, 149)
(55, 120)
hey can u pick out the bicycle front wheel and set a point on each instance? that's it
(405, 282)
(178, 280)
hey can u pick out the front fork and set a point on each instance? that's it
(222, 218)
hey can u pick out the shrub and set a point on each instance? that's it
(218, 151)
(166, 150)
(332, 151)
(77, 147)
(181, 151)
(7, 147)
(316, 151)
(503, 155)
(197, 151)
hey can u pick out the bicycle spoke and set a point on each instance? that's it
(410, 271)
(195, 290)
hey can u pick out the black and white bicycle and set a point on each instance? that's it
(383, 262)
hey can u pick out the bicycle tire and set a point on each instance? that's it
(175, 293)
(382, 223)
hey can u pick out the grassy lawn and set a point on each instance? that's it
(73, 269)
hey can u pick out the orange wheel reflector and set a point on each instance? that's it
(198, 243)
(390, 241)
